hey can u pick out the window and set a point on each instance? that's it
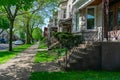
(119, 17)
(91, 18)
(56, 22)
(111, 20)
(64, 13)
(77, 21)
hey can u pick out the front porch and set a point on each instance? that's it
(65, 25)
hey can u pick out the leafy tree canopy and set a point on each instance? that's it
(37, 33)
(4, 23)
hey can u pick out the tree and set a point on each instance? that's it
(37, 34)
(4, 23)
(22, 21)
(11, 7)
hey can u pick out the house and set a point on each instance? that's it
(113, 21)
(64, 16)
(4, 35)
(45, 32)
(81, 17)
(52, 27)
(87, 19)
(96, 20)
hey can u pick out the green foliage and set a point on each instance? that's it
(37, 34)
(4, 22)
(6, 55)
(60, 52)
(23, 4)
(43, 56)
(83, 75)
(68, 40)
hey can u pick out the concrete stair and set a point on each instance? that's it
(82, 57)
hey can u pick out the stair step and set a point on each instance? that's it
(72, 60)
(75, 56)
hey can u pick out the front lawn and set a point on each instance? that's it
(44, 56)
(6, 55)
(85, 75)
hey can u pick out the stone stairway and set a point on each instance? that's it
(82, 57)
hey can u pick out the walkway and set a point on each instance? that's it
(22, 65)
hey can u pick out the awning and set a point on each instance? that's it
(79, 4)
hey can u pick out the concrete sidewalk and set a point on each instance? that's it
(20, 67)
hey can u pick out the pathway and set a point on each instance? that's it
(20, 67)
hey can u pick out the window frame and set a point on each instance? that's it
(94, 7)
(77, 16)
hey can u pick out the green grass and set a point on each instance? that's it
(44, 56)
(6, 55)
(42, 45)
(85, 75)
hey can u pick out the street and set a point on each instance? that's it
(3, 46)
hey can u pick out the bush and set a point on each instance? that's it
(68, 40)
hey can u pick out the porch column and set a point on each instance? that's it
(106, 18)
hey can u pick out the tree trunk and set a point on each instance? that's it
(11, 35)
(27, 34)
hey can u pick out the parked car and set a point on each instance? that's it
(18, 42)
(2, 40)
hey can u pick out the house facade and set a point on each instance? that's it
(52, 27)
(96, 20)
(113, 20)
(87, 19)
(81, 17)
(64, 16)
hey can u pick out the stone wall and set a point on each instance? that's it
(111, 56)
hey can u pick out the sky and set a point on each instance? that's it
(46, 23)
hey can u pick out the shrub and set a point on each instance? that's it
(68, 40)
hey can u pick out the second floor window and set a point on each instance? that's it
(77, 21)
(64, 13)
(56, 22)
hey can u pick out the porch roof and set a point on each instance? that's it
(79, 4)
(66, 21)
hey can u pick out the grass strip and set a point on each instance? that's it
(6, 55)
(83, 75)
(44, 56)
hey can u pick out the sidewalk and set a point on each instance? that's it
(20, 67)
